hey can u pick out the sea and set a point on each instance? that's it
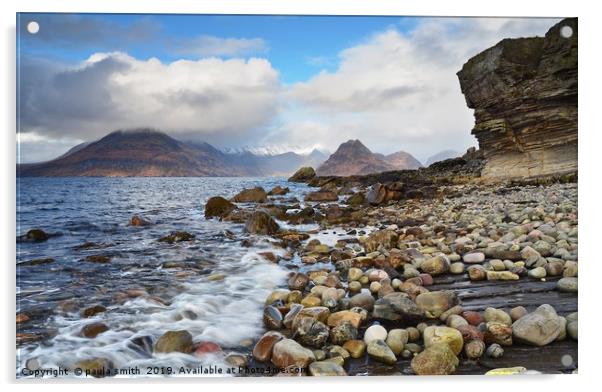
(149, 287)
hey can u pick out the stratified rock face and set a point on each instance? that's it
(524, 92)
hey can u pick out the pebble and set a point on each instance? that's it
(375, 332)
(476, 257)
(568, 285)
(356, 348)
(380, 351)
(495, 351)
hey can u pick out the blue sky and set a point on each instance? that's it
(286, 82)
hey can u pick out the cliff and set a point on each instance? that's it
(524, 95)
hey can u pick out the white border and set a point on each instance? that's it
(589, 162)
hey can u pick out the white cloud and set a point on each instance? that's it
(208, 46)
(211, 99)
(400, 90)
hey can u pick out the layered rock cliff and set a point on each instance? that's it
(524, 95)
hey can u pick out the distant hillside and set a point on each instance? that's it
(442, 155)
(151, 153)
(353, 158)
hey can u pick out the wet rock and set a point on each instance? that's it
(22, 318)
(444, 335)
(263, 349)
(362, 300)
(93, 310)
(356, 348)
(304, 174)
(205, 348)
(139, 221)
(253, 195)
(495, 351)
(287, 352)
(277, 295)
(278, 191)
(321, 196)
(474, 349)
(345, 315)
(342, 333)
(497, 315)
(311, 332)
(236, 360)
(498, 333)
(378, 350)
(174, 341)
(177, 236)
(375, 332)
(98, 259)
(33, 235)
(326, 368)
(539, 327)
(396, 340)
(436, 302)
(96, 367)
(272, 318)
(435, 266)
(92, 330)
(298, 281)
(261, 223)
(218, 207)
(435, 360)
(48, 260)
(356, 199)
(568, 285)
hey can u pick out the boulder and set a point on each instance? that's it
(252, 195)
(218, 207)
(304, 174)
(434, 303)
(438, 359)
(174, 341)
(539, 327)
(436, 335)
(321, 196)
(261, 223)
(287, 352)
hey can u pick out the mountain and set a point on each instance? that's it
(351, 158)
(146, 152)
(442, 155)
(402, 160)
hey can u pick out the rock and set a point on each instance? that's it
(470, 332)
(261, 223)
(342, 333)
(475, 257)
(473, 318)
(93, 329)
(474, 349)
(298, 281)
(436, 302)
(98, 259)
(375, 332)
(501, 275)
(455, 310)
(304, 174)
(495, 351)
(517, 312)
(396, 340)
(539, 327)
(435, 266)
(572, 329)
(356, 348)
(397, 306)
(362, 300)
(93, 310)
(174, 341)
(218, 207)
(436, 335)
(290, 316)
(380, 351)
(476, 273)
(356, 199)
(263, 349)
(525, 116)
(506, 371)
(354, 274)
(287, 352)
(435, 360)
(321, 196)
(456, 268)
(22, 318)
(455, 321)
(497, 315)
(139, 221)
(278, 191)
(537, 273)
(236, 360)
(276, 296)
(205, 348)
(498, 333)
(568, 285)
(326, 368)
(177, 236)
(34, 235)
(345, 315)
(385, 238)
(253, 195)
(96, 367)
(311, 301)
(272, 318)
(311, 332)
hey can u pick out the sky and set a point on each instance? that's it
(280, 82)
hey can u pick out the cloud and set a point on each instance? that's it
(209, 46)
(399, 90)
(212, 99)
